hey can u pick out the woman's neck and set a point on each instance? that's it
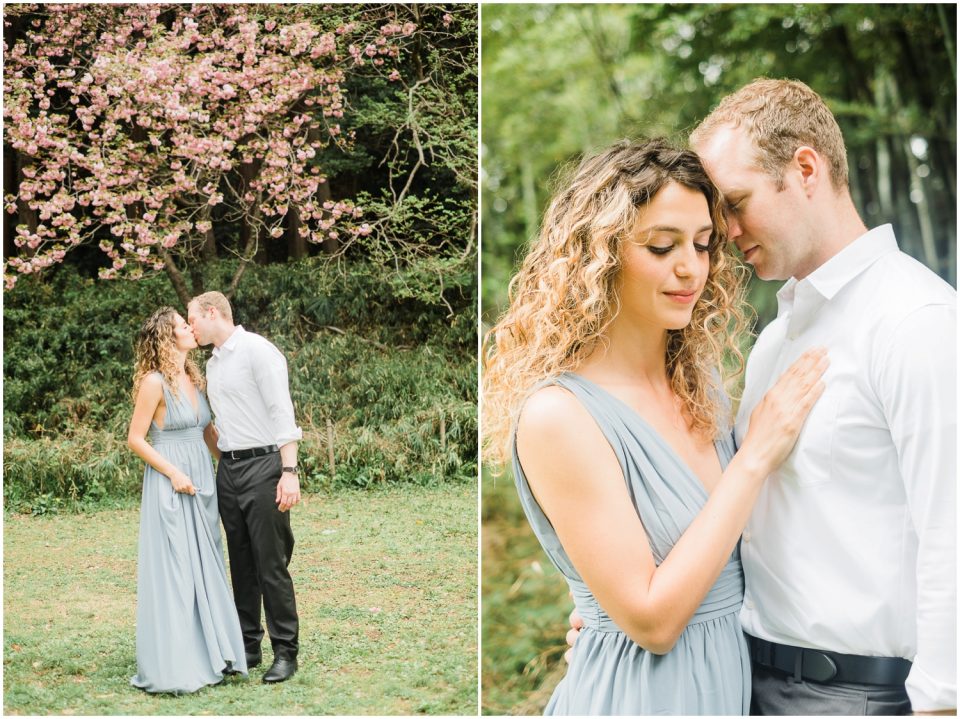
(181, 362)
(630, 352)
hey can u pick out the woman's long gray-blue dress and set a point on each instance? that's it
(188, 632)
(708, 670)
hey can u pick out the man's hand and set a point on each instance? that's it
(576, 624)
(938, 712)
(288, 491)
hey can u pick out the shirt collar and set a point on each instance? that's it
(834, 274)
(232, 341)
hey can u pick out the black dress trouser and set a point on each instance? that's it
(778, 694)
(260, 543)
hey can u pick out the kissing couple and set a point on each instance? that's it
(190, 632)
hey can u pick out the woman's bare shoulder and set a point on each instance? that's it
(555, 430)
(151, 386)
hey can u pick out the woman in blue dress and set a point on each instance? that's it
(188, 634)
(603, 387)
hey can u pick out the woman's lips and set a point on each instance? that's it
(683, 296)
(748, 253)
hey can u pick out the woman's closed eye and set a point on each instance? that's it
(664, 249)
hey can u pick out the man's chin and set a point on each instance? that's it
(768, 275)
(763, 272)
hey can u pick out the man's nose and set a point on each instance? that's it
(733, 226)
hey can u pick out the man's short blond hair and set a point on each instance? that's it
(780, 116)
(216, 300)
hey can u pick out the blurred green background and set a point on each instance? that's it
(561, 80)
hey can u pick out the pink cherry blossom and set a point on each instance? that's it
(159, 117)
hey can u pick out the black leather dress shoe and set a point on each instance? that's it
(253, 660)
(281, 670)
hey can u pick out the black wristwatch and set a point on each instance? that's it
(289, 470)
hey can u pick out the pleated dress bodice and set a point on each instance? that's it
(707, 671)
(182, 421)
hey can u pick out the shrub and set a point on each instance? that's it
(392, 370)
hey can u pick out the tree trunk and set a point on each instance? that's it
(176, 278)
(922, 204)
(25, 214)
(296, 243)
(249, 250)
(196, 278)
(250, 222)
(884, 176)
(10, 184)
(209, 248)
(947, 39)
(329, 245)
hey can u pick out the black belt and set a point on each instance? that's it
(823, 666)
(248, 453)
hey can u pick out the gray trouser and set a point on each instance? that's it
(778, 694)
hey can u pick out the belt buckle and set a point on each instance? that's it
(818, 666)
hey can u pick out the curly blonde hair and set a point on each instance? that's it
(156, 351)
(563, 298)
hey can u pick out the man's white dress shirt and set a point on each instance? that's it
(851, 546)
(249, 393)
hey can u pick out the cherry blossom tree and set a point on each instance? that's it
(138, 127)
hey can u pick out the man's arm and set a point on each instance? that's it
(269, 369)
(211, 436)
(917, 384)
(288, 488)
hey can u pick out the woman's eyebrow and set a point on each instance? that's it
(672, 230)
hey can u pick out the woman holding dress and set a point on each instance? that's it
(188, 634)
(603, 386)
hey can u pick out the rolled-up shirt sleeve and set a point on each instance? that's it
(269, 368)
(917, 380)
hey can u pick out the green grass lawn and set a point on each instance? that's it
(525, 609)
(386, 586)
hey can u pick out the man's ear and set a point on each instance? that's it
(810, 165)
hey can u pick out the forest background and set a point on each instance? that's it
(562, 80)
(317, 163)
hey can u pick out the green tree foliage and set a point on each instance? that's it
(560, 80)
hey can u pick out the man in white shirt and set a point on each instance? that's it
(257, 481)
(850, 554)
